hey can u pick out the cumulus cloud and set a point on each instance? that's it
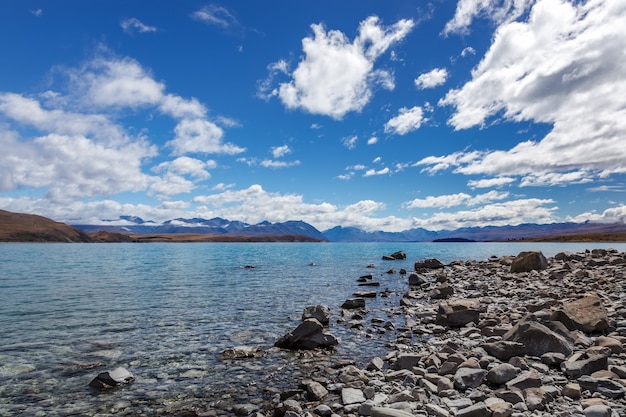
(498, 11)
(561, 67)
(611, 215)
(200, 136)
(336, 75)
(452, 200)
(185, 165)
(431, 79)
(514, 212)
(73, 146)
(407, 121)
(133, 24)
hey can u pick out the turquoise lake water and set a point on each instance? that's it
(165, 311)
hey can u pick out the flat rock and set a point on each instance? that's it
(352, 396)
(587, 314)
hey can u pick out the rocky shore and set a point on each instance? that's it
(510, 336)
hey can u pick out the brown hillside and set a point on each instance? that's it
(17, 227)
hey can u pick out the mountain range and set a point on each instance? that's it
(219, 226)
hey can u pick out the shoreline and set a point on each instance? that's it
(478, 362)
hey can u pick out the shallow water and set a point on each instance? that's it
(165, 311)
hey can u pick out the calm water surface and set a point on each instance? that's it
(166, 311)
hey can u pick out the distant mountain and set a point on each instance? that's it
(484, 234)
(24, 227)
(214, 226)
(353, 234)
(17, 227)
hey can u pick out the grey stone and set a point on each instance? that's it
(477, 410)
(604, 386)
(428, 264)
(457, 313)
(502, 373)
(527, 379)
(319, 312)
(315, 391)
(353, 303)
(505, 349)
(465, 378)
(352, 396)
(575, 369)
(389, 412)
(598, 410)
(308, 335)
(538, 339)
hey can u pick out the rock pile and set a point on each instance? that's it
(507, 337)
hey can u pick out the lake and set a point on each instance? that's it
(166, 311)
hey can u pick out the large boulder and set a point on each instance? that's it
(308, 335)
(429, 264)
(529, 261)
(319, 312)
(538, 338)
(111, 379)
(587, 314)
(457, 313)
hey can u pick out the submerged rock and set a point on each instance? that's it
(111, 379)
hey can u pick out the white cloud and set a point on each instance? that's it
(185, 165)
(179, 107)
(268, 163)
(73, 167)
(452, 200)
(407, 121)
(133, 24)
(36, 12)
(336, 76)
(200, 136)
(254, 204)
(280, 151)
(490, 182)
(468, 51)
(117, 83)
(431, 79)
(373, 172)
(216, 16)
(561, 67)
(372, 140)
(498, 11)
(498, 214)
(610, 215)
(350, 142)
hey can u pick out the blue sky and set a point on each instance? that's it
(379, 115)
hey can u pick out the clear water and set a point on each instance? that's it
(165, 311)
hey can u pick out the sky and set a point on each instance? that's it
(359, 113)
